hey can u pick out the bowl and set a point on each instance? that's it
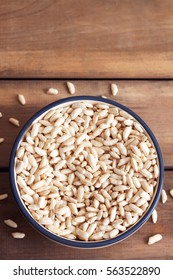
(78, 243)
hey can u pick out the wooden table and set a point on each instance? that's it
(44, 43)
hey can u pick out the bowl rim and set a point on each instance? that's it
(76, 243)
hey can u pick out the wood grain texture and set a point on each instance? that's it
(97, 39)
(35, 246)
(153, 101)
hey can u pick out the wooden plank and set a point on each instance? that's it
(153, 101)
(99, 39)
(35, 246)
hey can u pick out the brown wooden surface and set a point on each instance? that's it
(86, 39)
(153, 101)
(35, 246)
(91, 38)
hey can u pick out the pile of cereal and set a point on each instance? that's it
(86, 171)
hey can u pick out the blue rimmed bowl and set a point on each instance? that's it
(75, 243)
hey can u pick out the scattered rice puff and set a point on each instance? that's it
(71, 87)
(21, 99)
(154, 216)
(3, 196)
(164, 196)
(103, 96)
(18, 235)
(10, 223)
(171, 192)
(52, 91)
(14, 121)
(1, 140)
(114, 89)
(155, 238)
